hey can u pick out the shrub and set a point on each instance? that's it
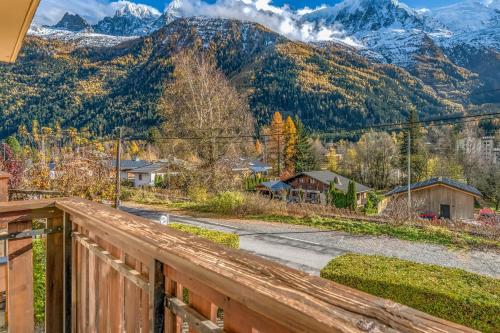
(453, 294)
(225, 202)
(198, 194)
(219, 237)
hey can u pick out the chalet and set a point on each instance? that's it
(273, 189)
(441, 196)
(315, 184)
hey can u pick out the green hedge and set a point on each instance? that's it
(39, 260)
(453, 294)
(223, 238)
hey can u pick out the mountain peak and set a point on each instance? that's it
(72, 22)
(141, 11)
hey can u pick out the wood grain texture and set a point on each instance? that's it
(20, 281)
(290, 298)
(54, 310)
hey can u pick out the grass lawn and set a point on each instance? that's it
(453, 294)
(219, 237)
(431, 234)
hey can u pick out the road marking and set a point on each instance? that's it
(297, 240)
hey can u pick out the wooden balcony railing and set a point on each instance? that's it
(109, 271)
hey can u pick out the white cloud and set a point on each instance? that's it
(280, 19)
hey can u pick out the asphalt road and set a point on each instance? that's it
(309, 249)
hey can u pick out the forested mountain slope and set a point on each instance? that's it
(101, 88)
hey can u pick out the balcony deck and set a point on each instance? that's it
(109, 271)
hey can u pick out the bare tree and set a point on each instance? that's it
(200, 104)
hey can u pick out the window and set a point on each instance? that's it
(311, 181)
(301, 180)
(140, 176)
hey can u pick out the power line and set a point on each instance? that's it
(388, 127)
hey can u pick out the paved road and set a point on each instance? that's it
(309, 249)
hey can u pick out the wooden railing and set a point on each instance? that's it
(109, 271)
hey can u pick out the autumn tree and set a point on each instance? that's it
(290, 149)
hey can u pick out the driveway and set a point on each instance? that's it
(309, 249)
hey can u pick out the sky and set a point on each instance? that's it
(50, 11)
(297, 4)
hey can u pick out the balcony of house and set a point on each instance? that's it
(109, 271)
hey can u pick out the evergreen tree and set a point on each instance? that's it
(304, 158)
(290, 150)
(331, 194)
(14, 145)
(351, 199)
(418, 159)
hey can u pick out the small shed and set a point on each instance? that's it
(273, 189)
(445, 197)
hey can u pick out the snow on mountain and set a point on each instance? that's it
(130, 19)
(80, 38)
(467, 16)
(141, 11)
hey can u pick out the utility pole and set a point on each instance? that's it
(279, 155)
(409, 172)
(118, 167)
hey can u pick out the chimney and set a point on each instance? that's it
(4, 186)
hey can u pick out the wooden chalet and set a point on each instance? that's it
(315, 184)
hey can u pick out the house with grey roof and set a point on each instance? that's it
(126, 166)
(444, 197)
(315, 184)
(275, 189)
(148, 174)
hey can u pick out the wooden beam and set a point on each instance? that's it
(157, 297)
(127, 271)
(20, 281)
(54, 310)
(195, 320)
(68, 283)
(27, 205)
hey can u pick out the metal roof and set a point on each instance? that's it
(275, 185)
(151, 168)
(436, 181)
(327, 177)
(130, 164)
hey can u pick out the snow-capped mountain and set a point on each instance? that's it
(470, 15)
(129, 20)
(355, 16)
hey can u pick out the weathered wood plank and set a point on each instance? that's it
(145, 304)
(197, 322)
(20, 281)
(69, 253)
(103, 299)
(93, 288)
(291, 298)
(132, 300)
(15, 206)
(203, 306)
(170, 291)
(54, 311)
(103, 254)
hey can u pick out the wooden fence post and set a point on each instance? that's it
(68, 291)
(54, 278)
(20, 280)
(157, 297)
(4, 186)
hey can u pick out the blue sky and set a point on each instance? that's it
(51, 11)
(160, 4)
